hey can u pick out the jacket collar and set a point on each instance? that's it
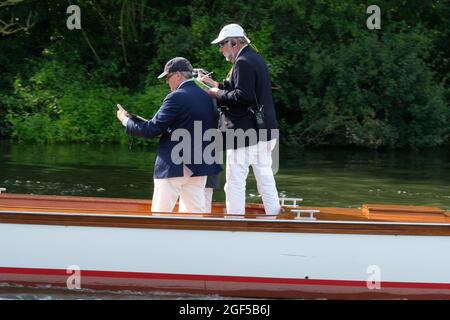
(184, 83)
(240, 51)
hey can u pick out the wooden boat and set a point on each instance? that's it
(376, 251)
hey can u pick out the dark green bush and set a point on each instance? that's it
(373, 92)
(335, 82)
(58, 104)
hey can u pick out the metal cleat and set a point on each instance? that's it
(299, 214)
(293, 200)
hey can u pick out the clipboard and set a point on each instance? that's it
(136, 117)
(202, 85)
(131, 115)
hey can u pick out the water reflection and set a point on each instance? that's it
(326, 177)
(19, 292)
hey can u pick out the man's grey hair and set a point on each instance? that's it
(186, 74)
(241, 40)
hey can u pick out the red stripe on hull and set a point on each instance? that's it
(227, 285)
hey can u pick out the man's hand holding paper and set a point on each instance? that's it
(207, 80)
(121, 113)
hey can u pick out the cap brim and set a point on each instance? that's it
(220, 39)
(162, 75)
(217, 40)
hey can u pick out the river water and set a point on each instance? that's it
(322, 177)
(325, 177)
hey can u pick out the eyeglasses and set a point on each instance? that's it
(222, 44)
(169, 76)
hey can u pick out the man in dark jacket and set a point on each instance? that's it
(187, 112)
(245, 91)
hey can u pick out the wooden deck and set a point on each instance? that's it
(111, 206)
(86, 211)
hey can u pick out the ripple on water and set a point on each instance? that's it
(20, 292)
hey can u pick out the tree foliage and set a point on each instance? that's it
(335, 81)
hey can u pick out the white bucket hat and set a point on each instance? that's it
(231, 31)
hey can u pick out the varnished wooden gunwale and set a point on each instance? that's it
(128, 213)
(152, 222)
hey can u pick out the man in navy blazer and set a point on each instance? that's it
(187, 109)
(248, 86)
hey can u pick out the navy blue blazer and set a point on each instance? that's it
(179, 110)
(249, 82)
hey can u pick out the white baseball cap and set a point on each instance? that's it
(231, 31)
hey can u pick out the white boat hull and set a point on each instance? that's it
(239, 263)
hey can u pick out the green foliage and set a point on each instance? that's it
(378, 92)
(341, 84)
(61, 104)
(335, 82)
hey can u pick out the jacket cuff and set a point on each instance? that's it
(220, 95)
(125, 121)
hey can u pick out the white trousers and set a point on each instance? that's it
(208, 202)
(190, 190)
(258, 156)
